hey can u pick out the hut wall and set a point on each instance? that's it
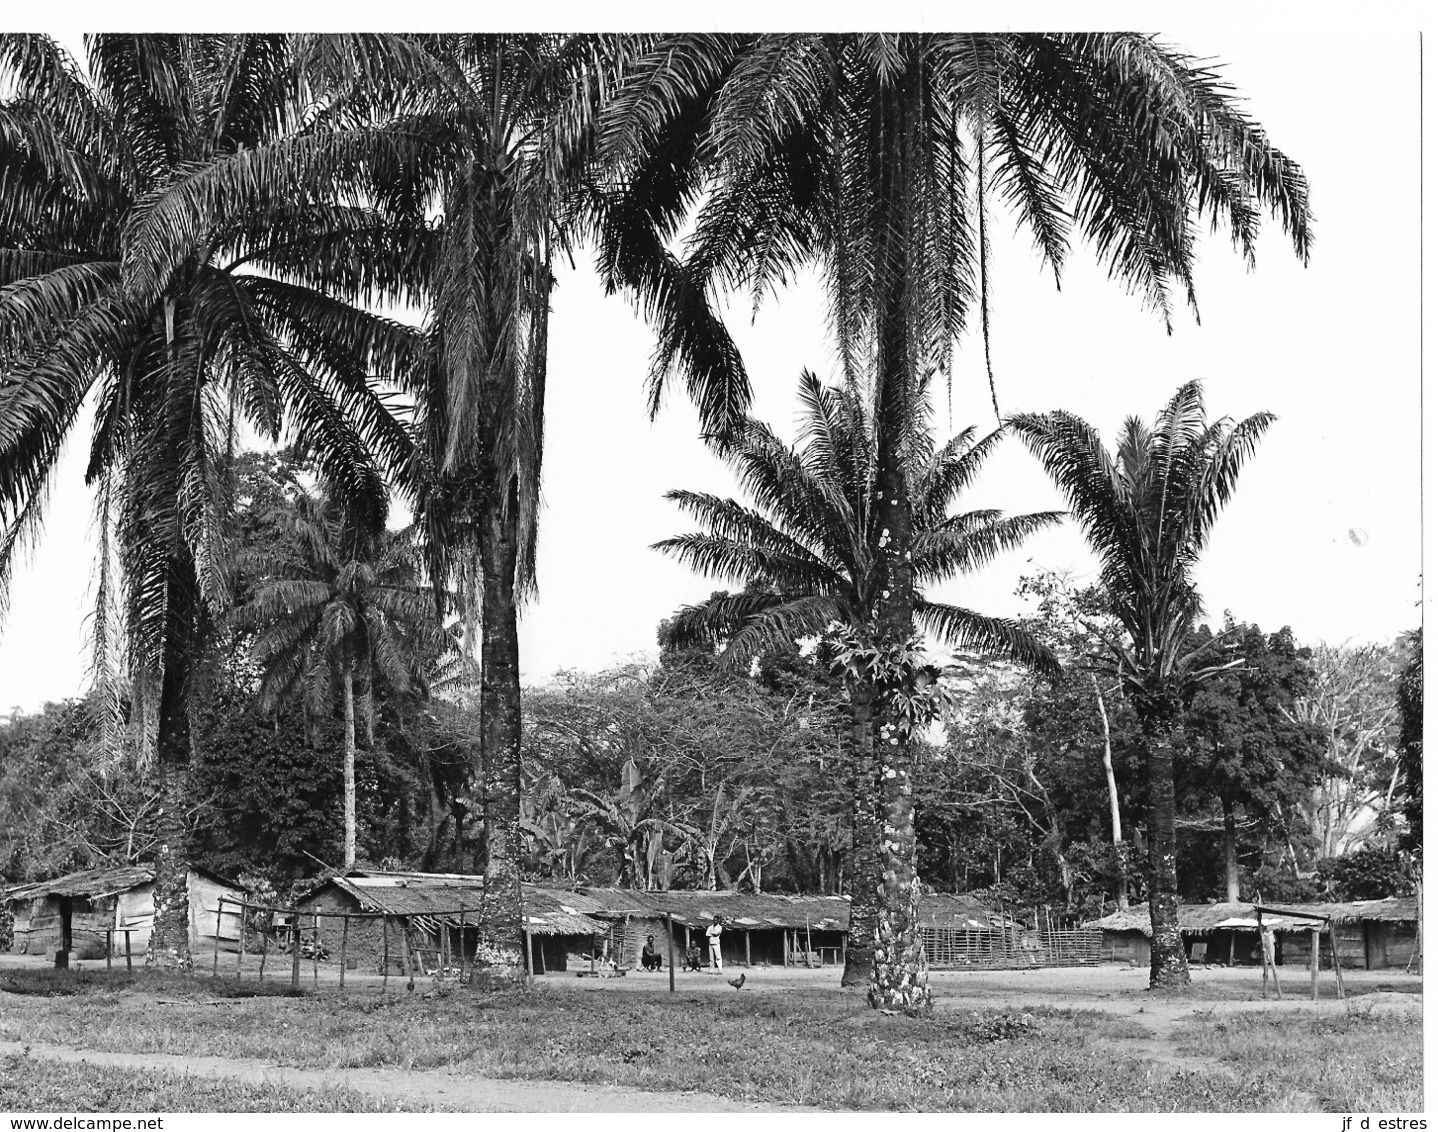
(23, 911)
(1132, 947)
(40, 933)
(134, 909)
(366, 936)
(1389, 943)
(205, 906)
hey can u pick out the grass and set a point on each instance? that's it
(1358, 1061)
(31, 1085)
(799, 1047)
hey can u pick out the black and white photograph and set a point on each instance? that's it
(823, 564)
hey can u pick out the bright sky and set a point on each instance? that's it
(1323, 534)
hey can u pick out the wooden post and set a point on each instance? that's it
(384, 929)
(748, 962)
(461, 943)
(344, 948)
(239, 954)
(1337, 959)
(1313, 964)
(443, 949)
(1262, 954)
(315, 928)
(786, 947)
(528, 956)
(593, 951)
(408, 957)
(129, 964)
(294, 951)
(219, 912)
(669, 935)
(808, 944)
(264, 952)
(109, 945)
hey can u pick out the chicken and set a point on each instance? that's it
(739, 982)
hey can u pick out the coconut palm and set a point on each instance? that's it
(1147, 511)
(347, 607)
(878, 158)
(177, 342)
(809, 559)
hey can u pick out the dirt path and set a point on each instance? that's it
(450, 1091)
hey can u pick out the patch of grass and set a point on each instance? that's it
(29, 1084)
(51, 983)
(813, 1048)
(1355, 1061)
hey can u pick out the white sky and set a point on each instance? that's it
(1333, 349)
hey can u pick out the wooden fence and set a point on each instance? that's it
(1010, 948)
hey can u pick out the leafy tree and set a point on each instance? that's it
(877, 157)
(177, 325)
(810, 556)
(1245, 748)
(1147, 513)
(1353, 702)
(1410, 740)
(347, 606)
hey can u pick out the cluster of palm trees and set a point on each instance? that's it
(204, 236)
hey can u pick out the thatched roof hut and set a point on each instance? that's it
(1370, 933)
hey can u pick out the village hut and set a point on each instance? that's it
(83, 913)
(759, 929)
(437, 913)
(1371, 934)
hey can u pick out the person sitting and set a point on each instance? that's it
(650, 957)
(692, 958)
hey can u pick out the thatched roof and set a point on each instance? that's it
(696, 909)
(1200, 919)
(589, 911)
(439, 898)
(93, 884)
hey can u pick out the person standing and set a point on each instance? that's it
(716, 954)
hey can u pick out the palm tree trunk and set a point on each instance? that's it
(1230, 852)
(347, 679)
(1120, 850)
(499, 706)
(170, 937)
(1158, 721)
(900, 975)
(864, 894)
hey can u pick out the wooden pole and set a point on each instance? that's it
(461, 943)
(315, 928)
(528, 957)
(808, 944)
(443, 948)
(129, 964)
(786, 947)
(294, 951)
(239, 954)
(264, 952)
(384, 929)
(1262, 954)
(404, 927)
(109, 946)
(1337, 959)
(669, 935)
(344, 948)
(219, 912)
(1313, 964)
(748, 962)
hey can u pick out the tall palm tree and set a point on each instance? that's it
(180, 328)
(878, 158)
(1147, 511)
(349, 606)
(810, 556)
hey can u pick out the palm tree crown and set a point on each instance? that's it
(1147, 512)
(807, 555)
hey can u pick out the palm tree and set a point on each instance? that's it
(348, 607)
(809, 558)
(878, 158)
(1147, 512)
(179, 328)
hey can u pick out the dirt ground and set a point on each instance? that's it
(1116, 990)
